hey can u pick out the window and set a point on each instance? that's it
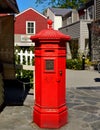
(82, 17)
(91, 12)
(69, 20)
(30, 27)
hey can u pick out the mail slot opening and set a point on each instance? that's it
(49, 50)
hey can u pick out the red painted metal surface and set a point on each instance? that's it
(50, 110)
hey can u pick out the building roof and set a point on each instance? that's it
(32, 10)
(8, 6)
(60, 11)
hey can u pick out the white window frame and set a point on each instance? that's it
(27, 27)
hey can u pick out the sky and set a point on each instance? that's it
(25, 4)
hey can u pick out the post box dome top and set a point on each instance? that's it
(50, 34)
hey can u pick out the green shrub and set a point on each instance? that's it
(26, 75)
(75, 64)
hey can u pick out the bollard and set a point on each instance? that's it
(83, 62)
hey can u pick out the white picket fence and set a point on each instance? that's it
(24, 59)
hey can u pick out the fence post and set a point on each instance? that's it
(26, 57)
(26, 54)
(21, 56)
(31, 57)
(16, 54)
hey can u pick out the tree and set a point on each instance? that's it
(74, 4)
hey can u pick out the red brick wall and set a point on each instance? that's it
(29, 15)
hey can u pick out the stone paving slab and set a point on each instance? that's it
(83, 107)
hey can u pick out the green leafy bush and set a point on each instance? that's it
(75, 64)
(26, 75)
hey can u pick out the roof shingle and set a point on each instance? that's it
(8, 6)
(60, 11)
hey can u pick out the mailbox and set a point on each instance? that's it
(50, 110)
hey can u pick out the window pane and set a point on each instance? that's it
(32, 31)
(28, 24)
(28, 30)
(32, 24)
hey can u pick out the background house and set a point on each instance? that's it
(97, 9)
(71, 17)
(78, 29)
(74, 23)
(56, 15)
(27, 23)
(68, 19)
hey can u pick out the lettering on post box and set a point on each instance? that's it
(49, 64)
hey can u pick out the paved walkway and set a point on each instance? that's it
(82, 78)
(83, 101)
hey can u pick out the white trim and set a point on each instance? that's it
(24, 44)
(32, 10)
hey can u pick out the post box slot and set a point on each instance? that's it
(49, 50)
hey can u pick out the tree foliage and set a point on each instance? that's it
(74, 4)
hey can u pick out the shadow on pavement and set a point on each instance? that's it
(15, 92)
(90, 88)
(97, 79)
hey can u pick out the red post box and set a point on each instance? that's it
(50, 110)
